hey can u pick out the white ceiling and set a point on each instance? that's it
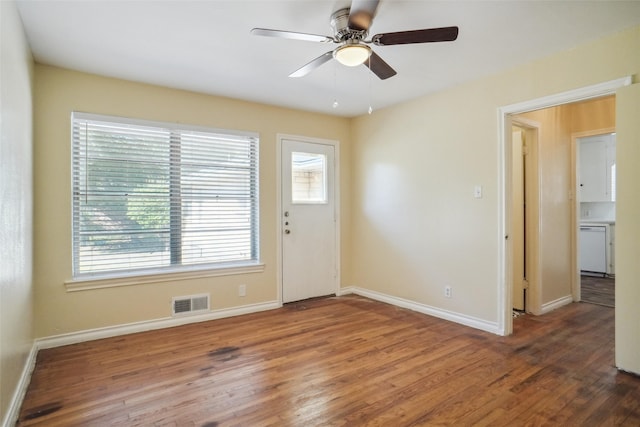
(205, 46)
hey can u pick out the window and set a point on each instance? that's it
(157, 196)
(308, 178)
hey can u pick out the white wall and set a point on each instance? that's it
(16, 291)
(598, 211)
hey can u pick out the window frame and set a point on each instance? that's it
(171, 271)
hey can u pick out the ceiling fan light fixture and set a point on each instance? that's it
(352, 55)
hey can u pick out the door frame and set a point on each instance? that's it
(505, 113)
(576, 289)
(532, 130)
(279, 214)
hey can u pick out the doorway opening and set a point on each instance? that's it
(524, 213)
(569, 213)
(595, 150)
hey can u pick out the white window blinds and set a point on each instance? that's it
(149, 196)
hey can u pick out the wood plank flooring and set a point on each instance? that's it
(598, 290)
(343, 361)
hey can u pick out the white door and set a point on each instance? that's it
(308, 215)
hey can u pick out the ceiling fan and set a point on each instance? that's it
(351, 28)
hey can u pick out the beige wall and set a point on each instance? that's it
(628, 229)
(58, 93)
(594, 114)
(416, 225)
(16, 291)
(555, 204)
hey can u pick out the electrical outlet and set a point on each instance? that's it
(447, 291)
(242, 290)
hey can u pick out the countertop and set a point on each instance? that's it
(597, 221)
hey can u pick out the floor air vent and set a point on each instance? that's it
(190, 304)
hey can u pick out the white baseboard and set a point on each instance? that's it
(550, 306)
(13, 411)
(149, 325)
(462, 319)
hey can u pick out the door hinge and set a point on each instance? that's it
(525, 284)
(525, 150)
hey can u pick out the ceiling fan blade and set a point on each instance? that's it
(445, 34)
(379, 67)
(307, 68)
(291, 35)
(361, 14)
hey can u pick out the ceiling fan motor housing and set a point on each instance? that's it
(340, 26)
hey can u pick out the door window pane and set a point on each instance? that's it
(308, 178)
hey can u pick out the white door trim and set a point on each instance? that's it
(505, 319)
(336, 144)
(532, 212)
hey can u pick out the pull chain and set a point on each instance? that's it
(335, 87)
(370, 72)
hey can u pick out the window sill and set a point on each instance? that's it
(100, 282)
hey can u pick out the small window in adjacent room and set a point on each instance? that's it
(309, 178)
(151, 197)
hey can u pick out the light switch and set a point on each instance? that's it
(477, 191)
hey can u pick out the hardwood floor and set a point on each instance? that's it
(345, 361)
(598, 290)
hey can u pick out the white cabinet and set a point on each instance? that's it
(597, 168)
